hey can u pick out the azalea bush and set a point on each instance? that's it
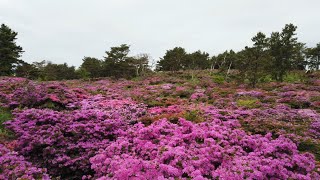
(202, 151)
(159, 127)
(14, 166)
(64, 141)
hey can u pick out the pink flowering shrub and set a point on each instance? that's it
(255, 94)
(296, 100)
(281, 120)
(199, 95)
(30, 95)
(203, 151)
(63, 142)
(38, 95)
(167, 86)
(159, 127)
(14, 166)
(315, 129)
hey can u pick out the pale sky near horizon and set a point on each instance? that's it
(66, 31)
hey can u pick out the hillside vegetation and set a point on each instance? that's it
(169, 125)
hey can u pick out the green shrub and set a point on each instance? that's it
(184, 94)
(5, 115)
(249, 103)
(299, 104)
(310, 146)
(293, 77)
(314, 98)
(154, 103)
(266, 79)
(194, 116)
(218, 78)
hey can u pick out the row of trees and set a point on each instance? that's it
(117, 63)
(274, 55)
(178, 59)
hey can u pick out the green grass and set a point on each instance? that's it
(314, 98)
(249, 103)
(5, 115)
(293, 77)
(217, 78)
(194, 116)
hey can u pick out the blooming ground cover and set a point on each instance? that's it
(159, 127)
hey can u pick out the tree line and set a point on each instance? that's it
(273, 55)
(117, 63)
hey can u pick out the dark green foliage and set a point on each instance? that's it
(118, 53)
(286, 52)
(270, 58)
(173, 60)
(313, 57)
(10, 52)
(92, 66)
(115, 62)
(252, 61)
(218, 78)
(59, 72)
(5, 115)
(119, 65)
(310, 146)
(196, 61)
(26, 70)
(178, 59)
(226, 61)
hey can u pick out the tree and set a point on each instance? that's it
(252, 62)
(140, 62)
(118, 64)
(285, 50)
(172, 60)
(82, 73)
(93, 66)
(257, 58)
(40, 66)
(196, 61)
(10, 52)
(313, 57)
(59, 72)
(27, 71)
(226, 61)
(114, 64)
(213, 62)
(118, 53)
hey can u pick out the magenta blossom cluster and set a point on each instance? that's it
(63, 142)
(256, 94)
(14, 166)
(185, 150)
(160, 127)
(25, 93)
(199, 95)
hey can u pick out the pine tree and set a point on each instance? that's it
(172, 60)
(286, 51)
(10, 52)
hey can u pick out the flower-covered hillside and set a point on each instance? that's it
(160, 127)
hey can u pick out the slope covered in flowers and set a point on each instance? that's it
(160, 127)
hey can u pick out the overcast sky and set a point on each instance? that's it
(67, 30)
